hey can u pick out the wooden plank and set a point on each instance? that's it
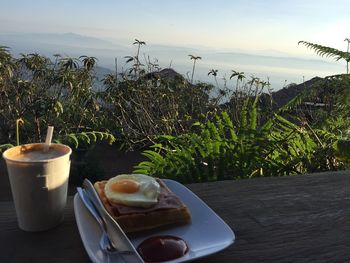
(287, 219)
(61, 244)
(290, 219)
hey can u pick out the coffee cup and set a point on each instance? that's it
(39, 183)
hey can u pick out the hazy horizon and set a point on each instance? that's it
(222, 24)
(257, 37)
(279, 67)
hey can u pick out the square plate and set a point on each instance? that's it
(205, 235)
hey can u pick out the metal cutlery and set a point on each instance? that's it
(105, 243)
(117, 237)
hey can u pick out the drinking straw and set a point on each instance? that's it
(48, 138)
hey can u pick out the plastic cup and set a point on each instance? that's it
(39, 184)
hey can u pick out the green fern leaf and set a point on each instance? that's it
(326, 51)
(152, 155)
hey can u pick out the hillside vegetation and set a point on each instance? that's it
(189, 131)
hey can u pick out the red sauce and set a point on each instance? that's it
(162, 248)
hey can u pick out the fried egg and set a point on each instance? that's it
(136, 190)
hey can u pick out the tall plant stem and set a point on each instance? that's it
(18, 122)
(347, 51)
(139, 44)
(194, 65)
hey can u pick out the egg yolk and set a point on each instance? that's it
(125, 186)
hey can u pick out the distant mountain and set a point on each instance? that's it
(66, 39)
(279, 68)
(167, 74)
(68, 44)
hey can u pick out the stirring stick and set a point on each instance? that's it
(48, 138)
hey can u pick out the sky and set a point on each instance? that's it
(208, 28)
(221, 24)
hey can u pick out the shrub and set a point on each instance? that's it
(219, 150)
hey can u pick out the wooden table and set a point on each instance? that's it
(303, 218)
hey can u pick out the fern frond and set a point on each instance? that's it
(326, 51)
(87, 137)
(73, 138)
(253, 114)
(229, 125)
(152, 155)
(3, 147)
(244, 114)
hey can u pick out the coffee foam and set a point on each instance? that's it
(38, 155)
(35, 153)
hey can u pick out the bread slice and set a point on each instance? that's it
(170, 210)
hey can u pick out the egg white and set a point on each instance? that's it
(146, 196)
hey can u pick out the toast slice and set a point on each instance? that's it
(169, 210)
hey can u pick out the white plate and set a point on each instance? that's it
(207, 233)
